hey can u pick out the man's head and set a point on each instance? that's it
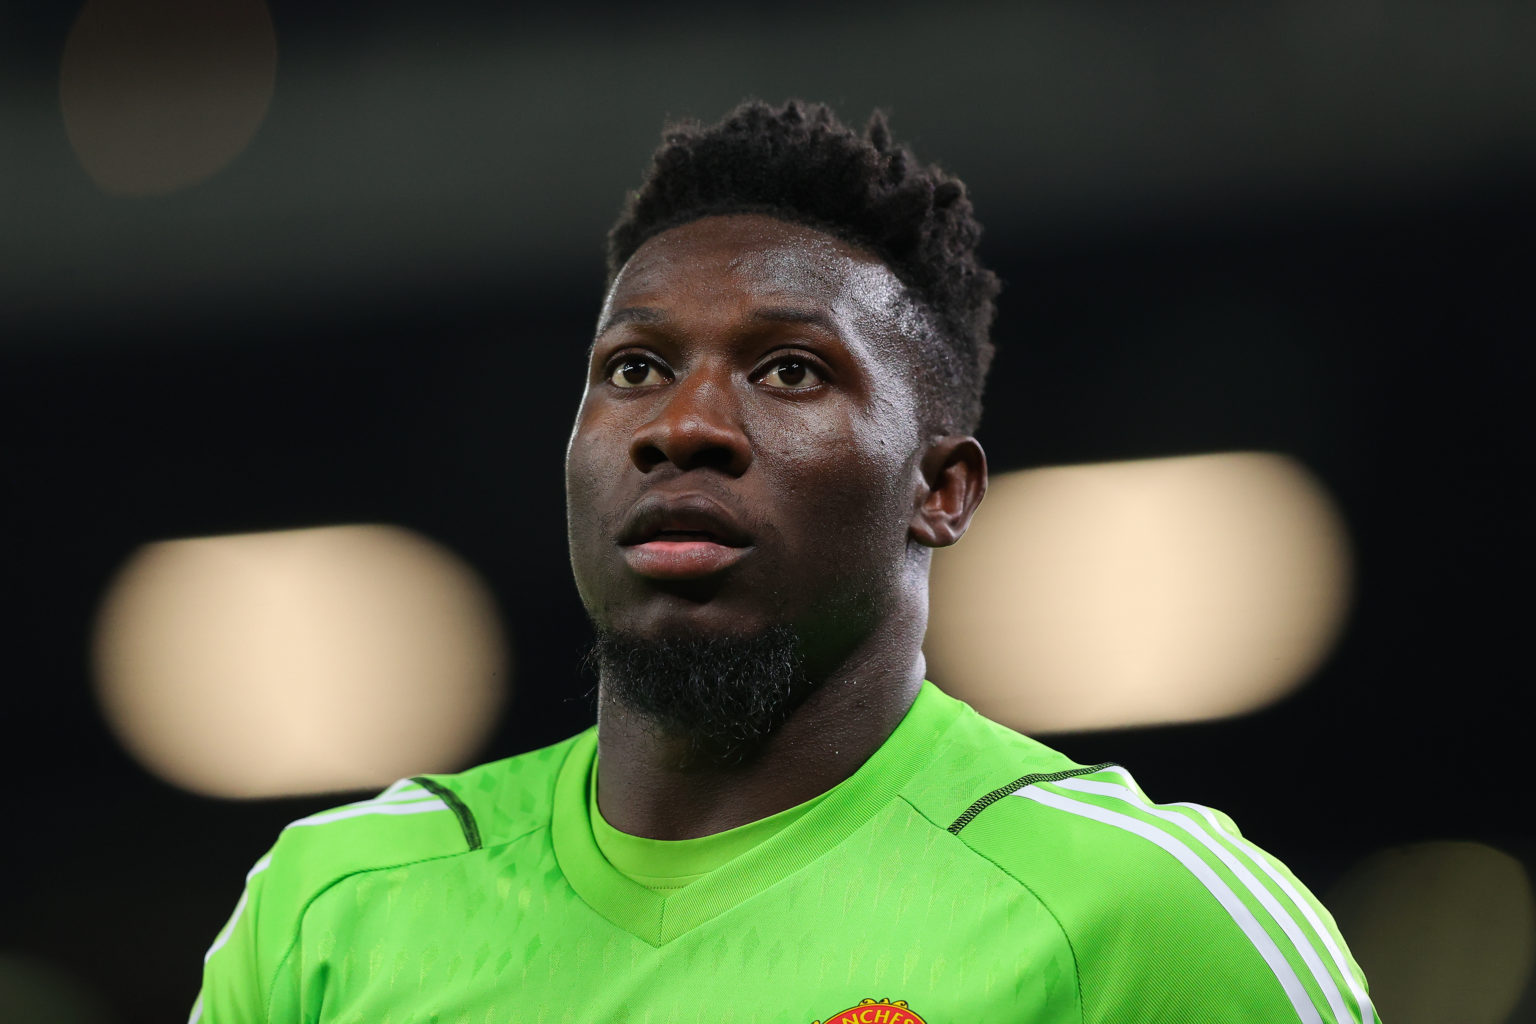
(774, 428)
(797, 163)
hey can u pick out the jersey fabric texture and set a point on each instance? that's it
(964, 873)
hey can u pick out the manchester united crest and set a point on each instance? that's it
(875, 1011)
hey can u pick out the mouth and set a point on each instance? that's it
(683, 537)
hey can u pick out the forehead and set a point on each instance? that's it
(753, 257)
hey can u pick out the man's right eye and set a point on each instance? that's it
(636, 371)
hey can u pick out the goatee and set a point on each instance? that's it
(722, 695)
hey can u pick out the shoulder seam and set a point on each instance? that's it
(993, 797)
(460, 810)
(293, 943)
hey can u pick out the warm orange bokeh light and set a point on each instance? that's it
(1134, 593)
(301, 661)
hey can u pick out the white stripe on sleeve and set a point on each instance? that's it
(371, 807)
(1367, 1011)
(1304, 947)
(229, 929)
(389, 796)
(1239, 912)
(398, 785)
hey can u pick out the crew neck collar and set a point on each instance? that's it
(657, 917)
(670, 864)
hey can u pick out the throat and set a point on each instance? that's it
(647, 786)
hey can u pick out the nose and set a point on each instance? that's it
(698, 426)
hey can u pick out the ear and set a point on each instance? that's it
(954, 479)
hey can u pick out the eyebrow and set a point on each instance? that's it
(797, 315)
(631, 315)
(766, 314)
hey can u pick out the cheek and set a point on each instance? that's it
(850, 482)
(584, 518)
(584, 468)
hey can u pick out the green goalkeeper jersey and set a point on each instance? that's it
(964, 873)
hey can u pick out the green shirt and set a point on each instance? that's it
(964, 873)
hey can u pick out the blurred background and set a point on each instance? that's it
(293, 306)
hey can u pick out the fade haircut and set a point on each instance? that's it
(798, 163)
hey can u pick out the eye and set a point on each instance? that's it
(791, 374)
(636, 371)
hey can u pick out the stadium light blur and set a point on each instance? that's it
(1138, 593)
(1445, 931)
(160, 94)
(301, 661)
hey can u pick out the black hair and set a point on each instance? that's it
(797, 162)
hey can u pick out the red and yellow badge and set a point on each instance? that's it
(875, 1011)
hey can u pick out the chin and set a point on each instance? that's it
(722, 695)
(673, 619)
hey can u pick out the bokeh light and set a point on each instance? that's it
(300, 661)
(1444, 930)
(1143, 592)
(34, 990)
(160, 94)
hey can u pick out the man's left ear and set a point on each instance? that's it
(954, 479)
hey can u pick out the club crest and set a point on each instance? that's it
(875, 1011)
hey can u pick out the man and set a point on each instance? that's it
(776, 817)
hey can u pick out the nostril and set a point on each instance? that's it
(717, 457)
(647, 457)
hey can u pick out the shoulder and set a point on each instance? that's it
(1097, 812)
(500, 801)
(975, 762)
(1034, 811)
(1169, 912)
(427, 817)
(1168, 907)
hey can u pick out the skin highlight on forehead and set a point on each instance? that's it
(782, 261)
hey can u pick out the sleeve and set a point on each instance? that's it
(256, 972)
(239, 967)
(234, 983)
(1176, 917)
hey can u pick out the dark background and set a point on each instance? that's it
(1297, 228)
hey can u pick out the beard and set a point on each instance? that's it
(723, 695)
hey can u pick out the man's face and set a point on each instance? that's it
(746, 452)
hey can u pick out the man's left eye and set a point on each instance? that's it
(791, 375)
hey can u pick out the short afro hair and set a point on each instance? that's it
(797, 162)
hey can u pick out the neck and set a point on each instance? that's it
(647, 785)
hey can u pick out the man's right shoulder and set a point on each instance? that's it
(425, 817)
(417, 820)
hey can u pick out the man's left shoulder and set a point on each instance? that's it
(1031, 809)
(1073, 817)
(1167, 906)
(975, 762)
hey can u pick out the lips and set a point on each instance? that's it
(673, 537)
(682, 518)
